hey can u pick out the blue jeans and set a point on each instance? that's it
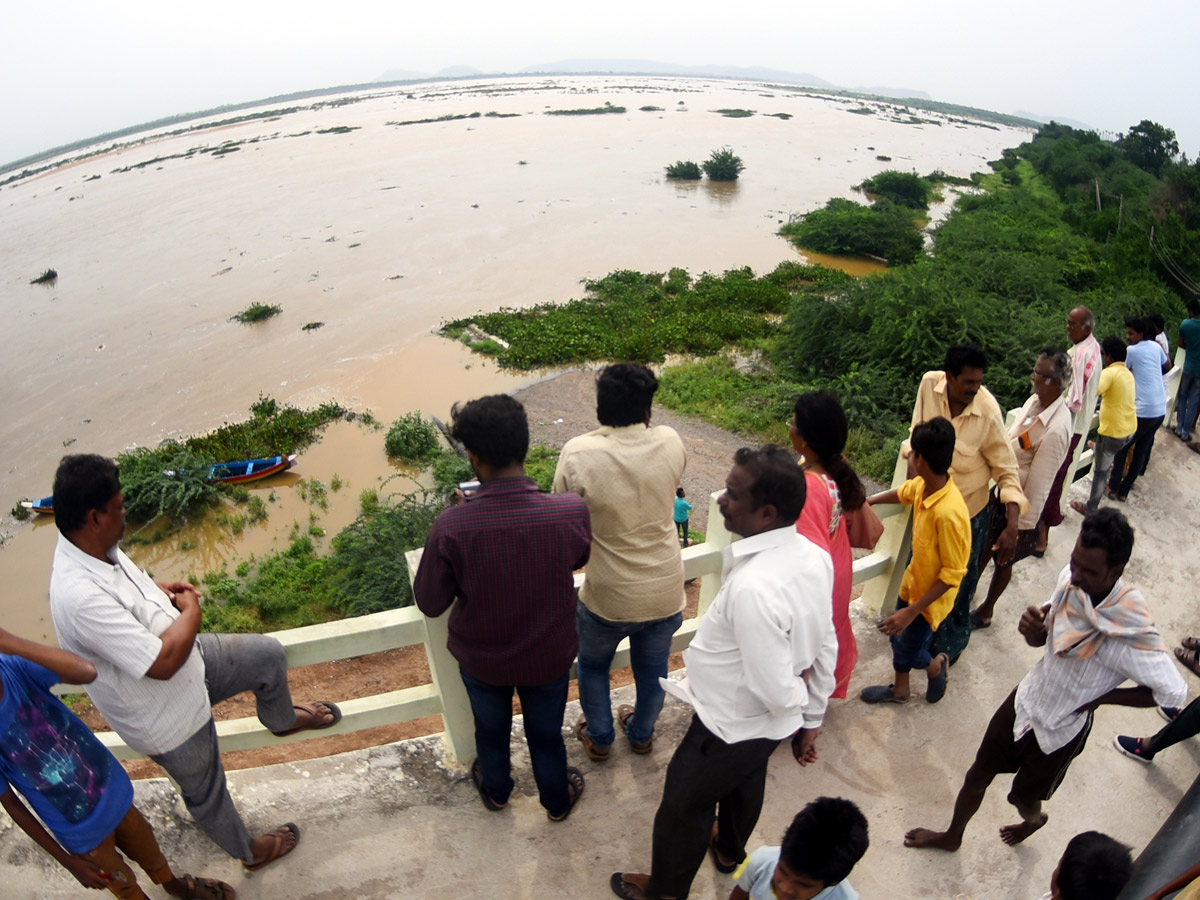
(910, 648)
(649, 648)
(543, 706)
(1188, 405)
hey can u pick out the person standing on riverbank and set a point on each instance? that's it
(982, 453)
(502, 561)
(157, 676)
(626, 471)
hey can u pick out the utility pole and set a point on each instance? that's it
(1098, 209)
(1121, 213)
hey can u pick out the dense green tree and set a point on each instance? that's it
(1150, 146)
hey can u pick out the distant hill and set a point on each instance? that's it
(898, 93)
(1038, 117)
(652, 67)
(400, 75)
(459, 72)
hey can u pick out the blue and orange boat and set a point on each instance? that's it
(241, 472)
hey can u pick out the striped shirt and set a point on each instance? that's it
(1049, 697)
(507, 555)
(112, 614)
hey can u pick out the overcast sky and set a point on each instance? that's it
(74, 69)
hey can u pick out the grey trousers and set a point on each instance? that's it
(1103, 454)
(233, 663)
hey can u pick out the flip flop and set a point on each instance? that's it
(937, 685)
(206, 889)
(575, 789)
(723, 868)
(1190, 658)
(881, 693)
(630, 890)
(1190, 643)
(278, 850)
(314, 710)
(477, 777)
(978, 623)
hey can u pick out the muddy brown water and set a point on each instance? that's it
(380, 233)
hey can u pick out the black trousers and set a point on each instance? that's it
(1184, 727)
(1143, 442)
(707, 780)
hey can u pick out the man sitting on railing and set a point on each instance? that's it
(760, 668)
(507, 553)
(157, 676)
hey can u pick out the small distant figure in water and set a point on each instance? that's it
(682, 508)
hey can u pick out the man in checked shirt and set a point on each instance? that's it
(1098, 633)
(507, 554)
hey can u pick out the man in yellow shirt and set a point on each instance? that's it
(982, 452)
(1118, 419)
(941, 547)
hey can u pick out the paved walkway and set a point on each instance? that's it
(394, 822)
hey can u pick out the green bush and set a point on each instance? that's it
(906, 189)
(723, 165)
(411, 438)
(845, 227)
(47, 277)
(256, 312)
(684, 170)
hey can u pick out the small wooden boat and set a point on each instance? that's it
(45, 506)
(247, 470)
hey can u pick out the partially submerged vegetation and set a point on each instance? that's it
(735, 113)
(46, 277)
(411, 438)
(844, 227)
(723, 165)
(1003, 271)
(593, 111)
(256, 312)
(685, 170)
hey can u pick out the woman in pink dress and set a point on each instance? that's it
(818, 431)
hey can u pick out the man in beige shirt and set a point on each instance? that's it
(626, 471)
(981, 453)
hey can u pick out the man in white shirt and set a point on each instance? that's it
(1098, 633)
(157, 677)
(759, 669)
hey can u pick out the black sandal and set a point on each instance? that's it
(575, 789)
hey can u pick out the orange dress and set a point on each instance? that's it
(822, 523)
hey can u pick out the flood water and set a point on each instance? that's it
(380, 233)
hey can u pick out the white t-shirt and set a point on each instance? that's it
(112, 614)
(754, 877)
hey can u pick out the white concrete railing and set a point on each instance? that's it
(880, 573)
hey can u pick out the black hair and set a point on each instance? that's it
(1114, 347)
(1193, 306)
(777, 480)
(964, 356)
(1106, 529)
(1094, 867)
(624, 392)
(821, 421)
(679, 492)
(83, 482)
(494, 428)
(933, 441)
(1138, 324)
(825, 840)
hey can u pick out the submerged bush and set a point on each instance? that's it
(46, 277)
(411, 438)
(723, 165)
(685, 170)
(256, 312)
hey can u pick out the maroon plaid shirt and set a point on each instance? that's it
(507, 555)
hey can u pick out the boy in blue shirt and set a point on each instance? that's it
(76, 787)
(823, 843)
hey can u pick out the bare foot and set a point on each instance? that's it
(1014, 834)
(923, 837)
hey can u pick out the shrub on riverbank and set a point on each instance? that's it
(907, 189)
(684, 170)
(411, 438)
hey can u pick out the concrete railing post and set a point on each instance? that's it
(896, 542)
(1172, 379)
(457, 719)
(718, 537)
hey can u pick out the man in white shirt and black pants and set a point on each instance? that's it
(760, 669)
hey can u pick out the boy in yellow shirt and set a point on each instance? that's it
(941, 548)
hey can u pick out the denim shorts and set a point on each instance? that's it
(910, 648)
